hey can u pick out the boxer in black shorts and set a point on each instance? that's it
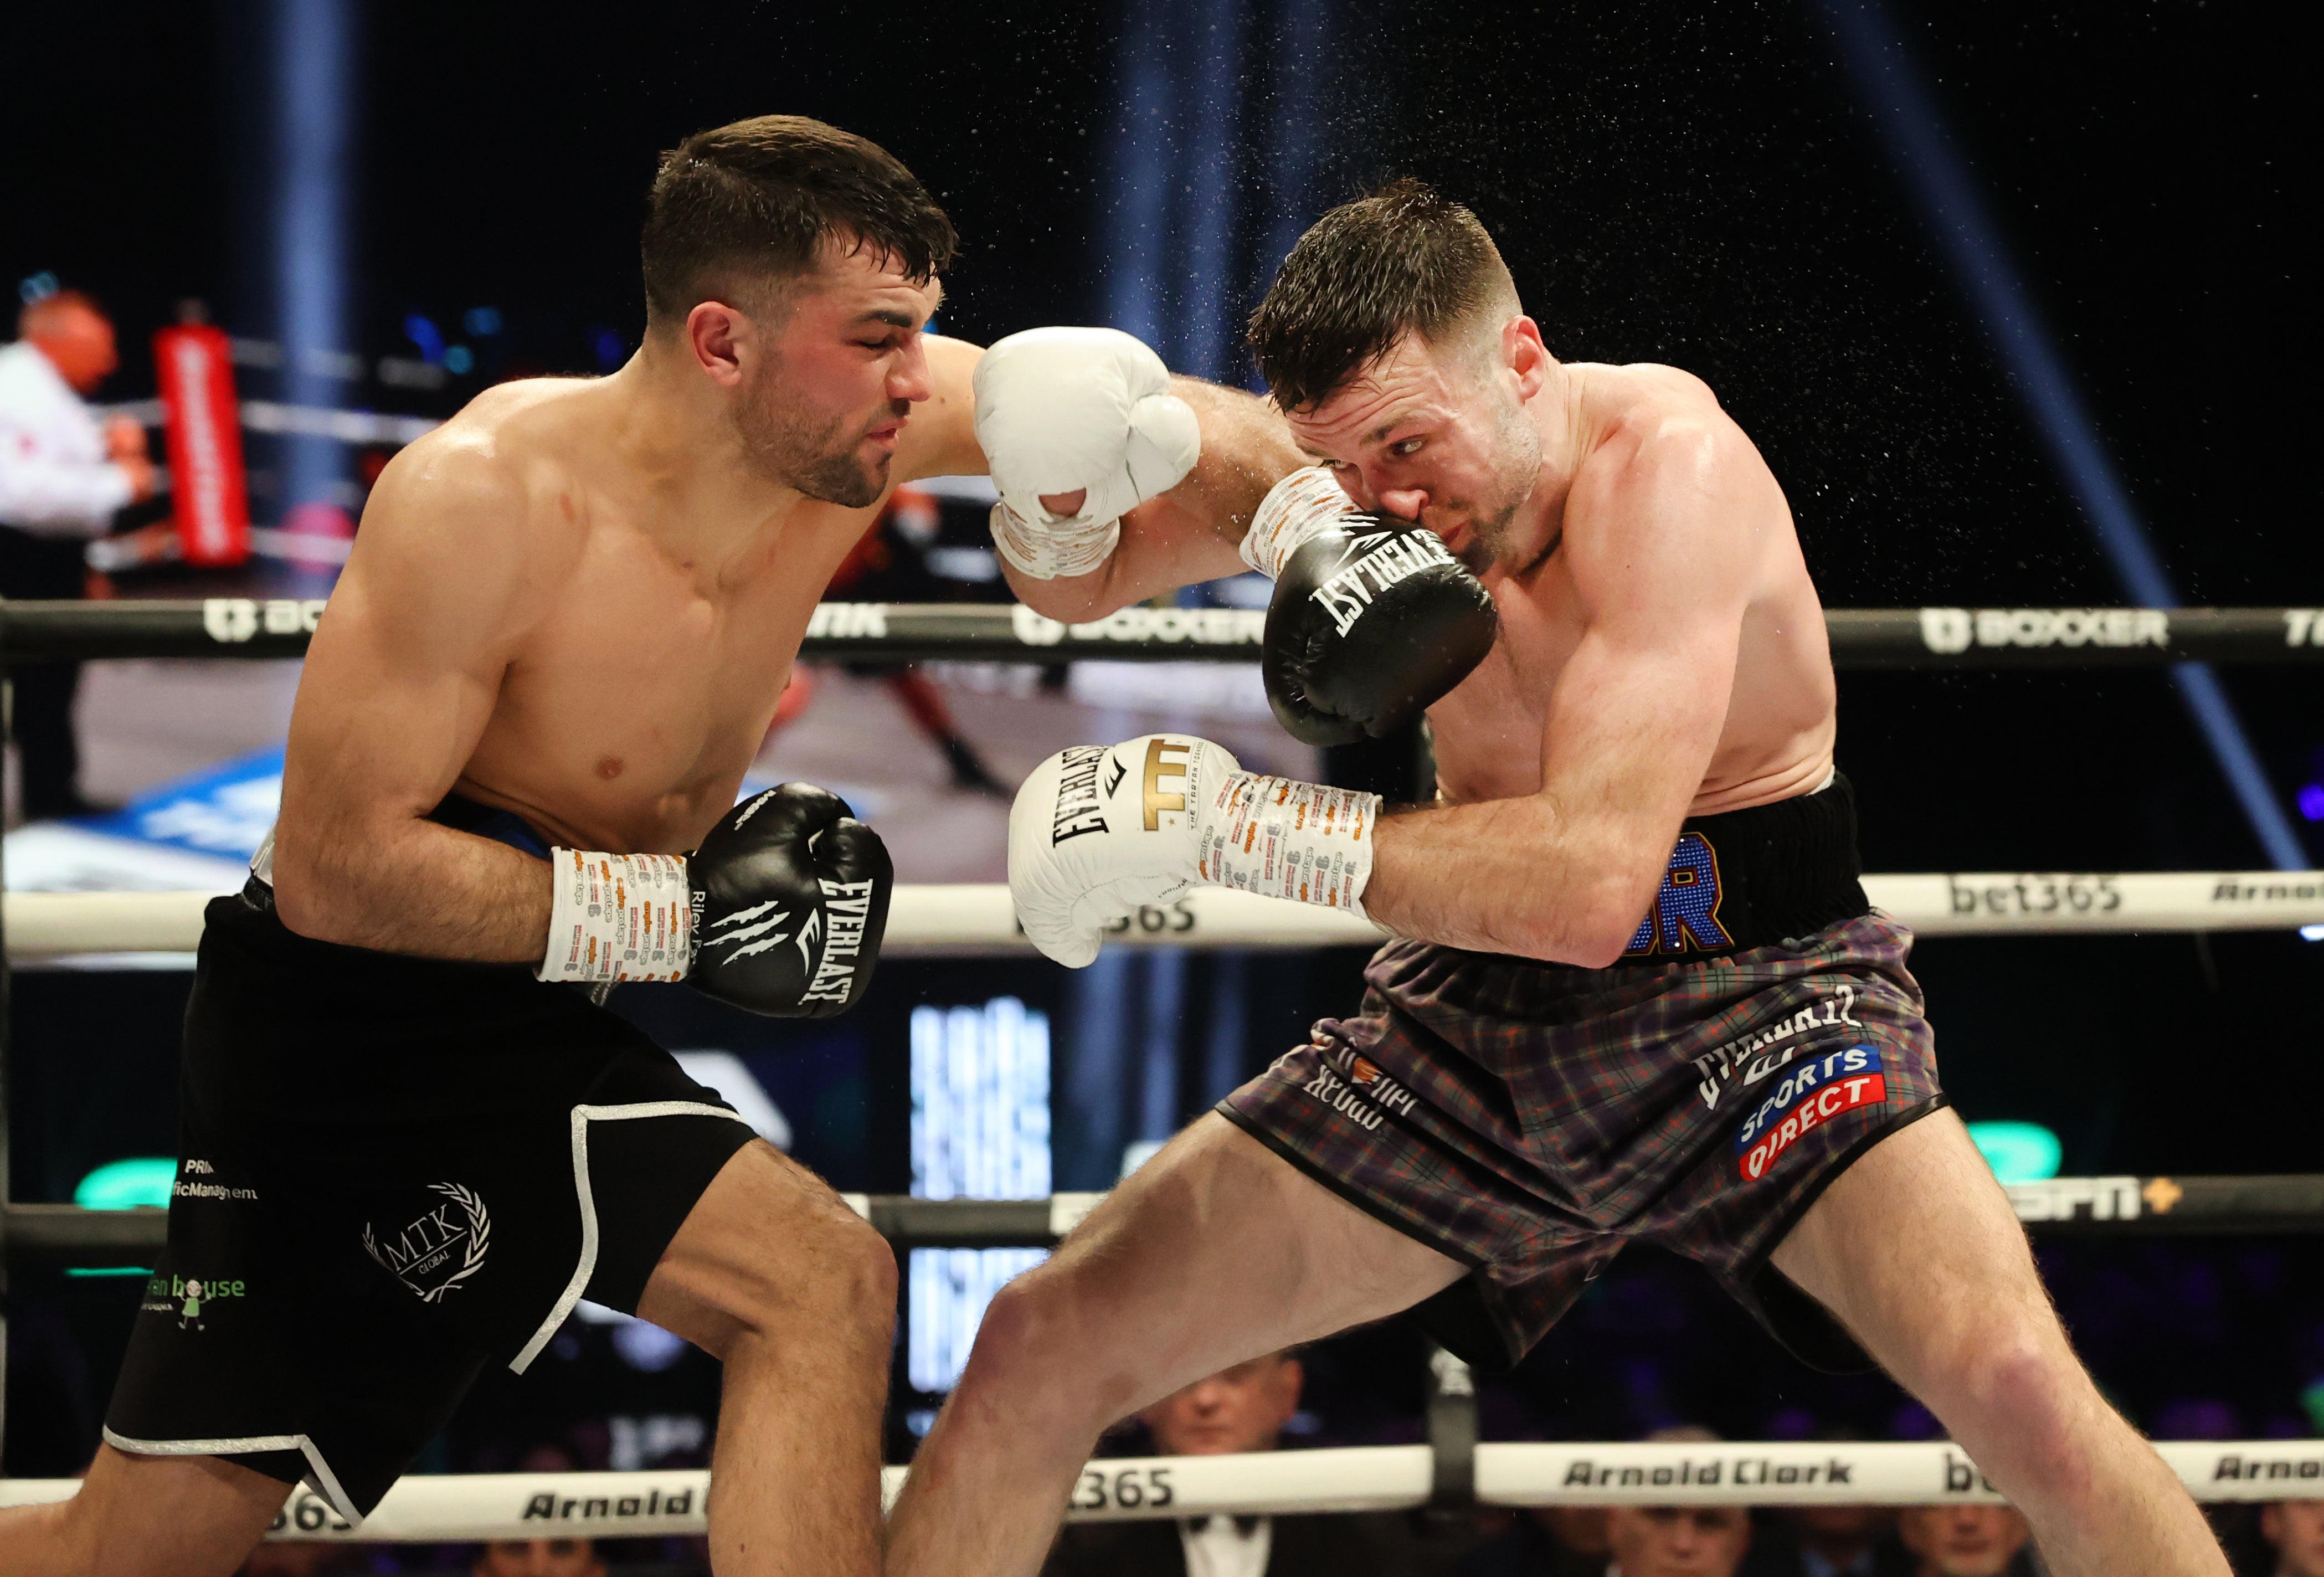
(1636, 991)
(413, 1135)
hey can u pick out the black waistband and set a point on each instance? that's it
(1746, 879)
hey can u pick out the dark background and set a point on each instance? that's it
(1690, 184)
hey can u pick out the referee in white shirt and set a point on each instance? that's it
(62, 476)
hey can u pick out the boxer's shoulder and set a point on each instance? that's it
(1648, 429)
(493, 473)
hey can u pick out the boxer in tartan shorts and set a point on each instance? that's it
(1636, 994)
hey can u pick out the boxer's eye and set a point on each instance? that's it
(1405, 448)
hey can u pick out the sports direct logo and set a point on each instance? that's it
(1812, 1094)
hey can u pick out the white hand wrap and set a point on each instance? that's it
(1281, 838)
(618, 917)
(1076, 410)
(1046, 552)
(1096, 832)
(1294, 510)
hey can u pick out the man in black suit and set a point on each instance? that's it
(1242, 1408)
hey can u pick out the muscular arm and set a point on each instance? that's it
(1664, 563)
(1192, 532)
(400, 680)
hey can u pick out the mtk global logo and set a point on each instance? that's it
(440, 1248)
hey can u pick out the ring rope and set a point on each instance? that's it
(1861, 638)
(978, 918)
(2118, 1206)
(439, 1507)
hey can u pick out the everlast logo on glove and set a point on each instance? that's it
(849, 906)
(1080, 809)
(1380, 561)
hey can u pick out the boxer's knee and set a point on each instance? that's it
(772, 1252)
(2014, 1393)
(1042, 1346)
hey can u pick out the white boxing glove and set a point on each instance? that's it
(1295, 509)
(1098, 831)
(1071, 410)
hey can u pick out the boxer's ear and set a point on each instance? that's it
(718, 337)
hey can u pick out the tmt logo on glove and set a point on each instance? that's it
(1098, 834)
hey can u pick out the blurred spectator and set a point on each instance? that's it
(1677, 1541)
(1545, 1541)
(2294, 1530)
(539, 1558)
(1242, 1408)
(62, 476)
(306, 1558)
(1832, 1540)
(1966, 1541)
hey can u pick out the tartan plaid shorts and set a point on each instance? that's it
(1529, 1118)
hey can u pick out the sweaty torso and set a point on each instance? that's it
(645, 673)
(1776, 740)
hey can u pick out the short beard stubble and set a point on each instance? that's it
(788, 446)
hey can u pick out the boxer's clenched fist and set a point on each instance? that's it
(790, 894)
(780, 910)
(1097, 831)
(1067, 411)
(1371, 622)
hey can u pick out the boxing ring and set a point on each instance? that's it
(1452, 1469)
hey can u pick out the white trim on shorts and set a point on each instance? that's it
(325, 1482)
(582, 1116)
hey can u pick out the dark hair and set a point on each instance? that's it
(761, 195)
(1402, 260)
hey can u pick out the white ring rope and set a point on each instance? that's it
(978, 918)
(430, 1509)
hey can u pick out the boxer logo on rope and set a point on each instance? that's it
(511, 784)
(1640, 860)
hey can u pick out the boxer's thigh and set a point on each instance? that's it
(1915, 1249)
(1216, 1250)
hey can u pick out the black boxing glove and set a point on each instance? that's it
(790, 899)
(1371, 622)
(780, 910)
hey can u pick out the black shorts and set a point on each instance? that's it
(393, 1171)
(1528, 1119)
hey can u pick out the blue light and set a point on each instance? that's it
(459, 360)
(2018, 1152)
(313, 70)
(126, 1185)
(1955, 215)
(979, 1131)
(2312, 932)
(608, 347)
(483, 322)
(39, 287)
(422, 332)
(2311, 801)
